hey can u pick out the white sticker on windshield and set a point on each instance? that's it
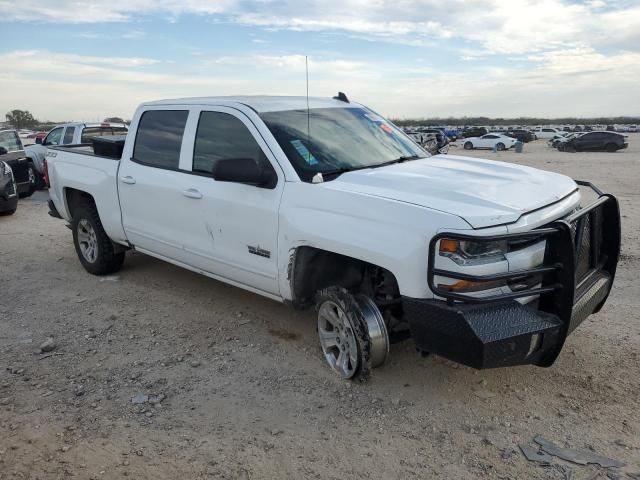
(304, 152)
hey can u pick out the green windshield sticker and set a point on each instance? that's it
(304, 152)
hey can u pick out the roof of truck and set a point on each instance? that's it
(259, 103)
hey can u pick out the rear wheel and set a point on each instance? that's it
(94, 248)
(6, 213)
(468, 146)
(611, 147)
(353, 335)
(500, 146)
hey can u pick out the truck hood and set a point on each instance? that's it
(483, 192)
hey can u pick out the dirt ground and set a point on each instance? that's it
(234, 386)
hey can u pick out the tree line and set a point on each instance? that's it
(24, 119)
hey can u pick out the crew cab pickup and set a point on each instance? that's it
(483, 262)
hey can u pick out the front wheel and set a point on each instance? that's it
(94, 248)
(352, 332)
(468, 146)
(31, 172)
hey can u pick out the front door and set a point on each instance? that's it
(235, 229)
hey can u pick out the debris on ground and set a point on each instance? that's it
(48, 345)
(580, 457)
(534, 455)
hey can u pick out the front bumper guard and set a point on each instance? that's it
(483, 332)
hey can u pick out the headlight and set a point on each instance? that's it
(468, 252)
(5, 169)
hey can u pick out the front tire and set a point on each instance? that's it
(32, 182)
(94, 248)
(468, 146)
(352, 333)
(6, 213)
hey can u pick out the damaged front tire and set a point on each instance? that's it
(352, 333)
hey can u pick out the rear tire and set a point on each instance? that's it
(611, 147)
(6, 213)
(500, 146)
(94, 248)
(468, 146)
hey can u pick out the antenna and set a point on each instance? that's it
(306, 65)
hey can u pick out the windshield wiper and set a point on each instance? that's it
(401, 159)
(341, 170)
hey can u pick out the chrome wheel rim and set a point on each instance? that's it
(376, 329)
(337, 339)
(88, 241)
(32, 176)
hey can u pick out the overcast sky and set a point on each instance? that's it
(86, 59)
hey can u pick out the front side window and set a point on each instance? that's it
(223, 136)
(54, 137)
(68, 135)
(159, 138)
(91, 132)
(330, 140)
(10, 141)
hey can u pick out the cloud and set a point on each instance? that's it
(576, 82)
(500, 26)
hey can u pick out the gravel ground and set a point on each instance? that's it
(160, 373)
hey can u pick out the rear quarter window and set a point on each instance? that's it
(91, 132)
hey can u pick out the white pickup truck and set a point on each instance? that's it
(485, 263)
(68, 134)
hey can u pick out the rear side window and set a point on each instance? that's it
(68, 135)
(10, 141)
(159, 138)
(91, 132)
(223, 136)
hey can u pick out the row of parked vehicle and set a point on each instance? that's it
(23, 169)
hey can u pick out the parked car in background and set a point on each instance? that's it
(546, 132)
(595, 141)
(521, 134)
(69, 134)
(558, 139)
(8, 190)
(611, 128)
(424, 135)
(474, 132)
(490, 140)
(632, 129)
(12, 153)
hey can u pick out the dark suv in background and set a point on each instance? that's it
(8, 192)
(12, 153)
(595, 141)
(521, 134)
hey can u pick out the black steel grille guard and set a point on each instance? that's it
(561, 285)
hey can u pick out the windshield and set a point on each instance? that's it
(338, 140)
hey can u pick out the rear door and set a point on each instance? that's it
(150, 184)
(69, 133)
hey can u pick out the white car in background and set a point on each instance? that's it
(547, 132)
(490, 140)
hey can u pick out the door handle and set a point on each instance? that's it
(192, 193)
(128, 180)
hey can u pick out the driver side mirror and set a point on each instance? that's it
(3, 151)
(245, 170)
(39, 140)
